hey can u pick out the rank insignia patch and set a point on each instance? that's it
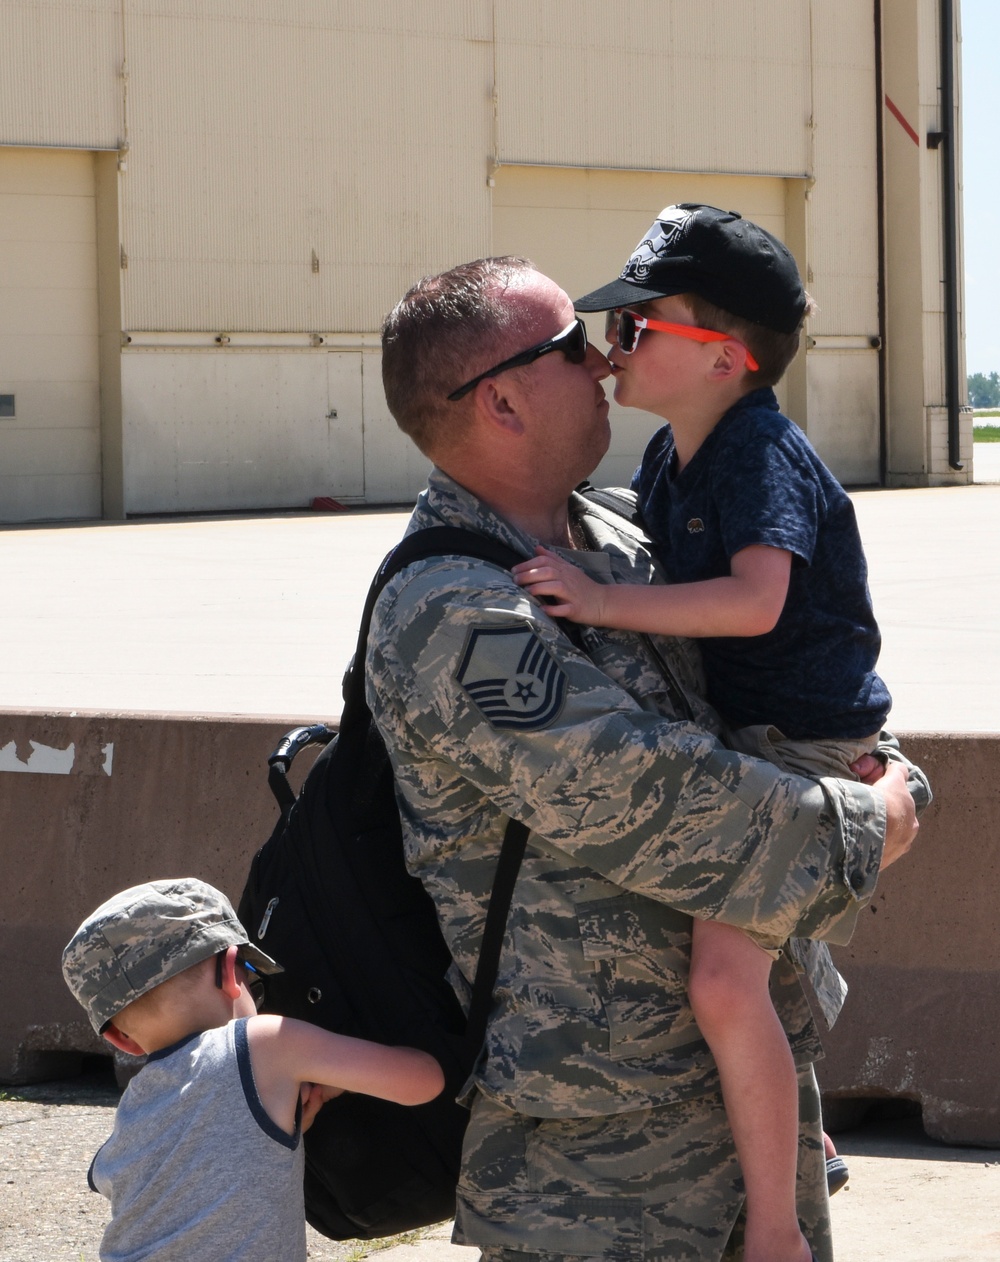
(513, 678)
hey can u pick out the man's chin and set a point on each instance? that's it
(601, 450)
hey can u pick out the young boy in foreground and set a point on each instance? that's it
(206, 1157)
(767, 570)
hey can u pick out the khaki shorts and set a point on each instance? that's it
(811, 758)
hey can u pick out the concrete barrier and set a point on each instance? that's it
(922, 1019)
(91, 804)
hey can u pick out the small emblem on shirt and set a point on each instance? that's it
(696, 526)
(512, 678)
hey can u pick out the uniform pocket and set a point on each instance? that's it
(641, 953)
(598, 1227)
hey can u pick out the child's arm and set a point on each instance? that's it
(747, 602)
(286, 1053)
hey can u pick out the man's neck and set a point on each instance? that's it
(538, 510)
(548, 523)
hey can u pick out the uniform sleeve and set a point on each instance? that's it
(916, 779)
(476, 691)
(766, 492)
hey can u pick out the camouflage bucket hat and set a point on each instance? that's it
(145, 935)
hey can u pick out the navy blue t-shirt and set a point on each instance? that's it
(757, 480)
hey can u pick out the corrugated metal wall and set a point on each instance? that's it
(291, 169)
(843, 367)
(61, 84)
(654, 84)
(297, 166)
(50, 436)
(843, 207)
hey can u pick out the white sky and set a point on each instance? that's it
(981, 169)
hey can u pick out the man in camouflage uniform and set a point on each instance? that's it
(597, 1127)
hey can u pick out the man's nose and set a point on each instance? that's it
(597, 364)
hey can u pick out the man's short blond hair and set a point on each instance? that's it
(443, 332)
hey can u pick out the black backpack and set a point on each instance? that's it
(329, 897)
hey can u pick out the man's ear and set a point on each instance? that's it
(117, 1038)
(497, 404)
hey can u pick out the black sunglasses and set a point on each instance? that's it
(572, 341)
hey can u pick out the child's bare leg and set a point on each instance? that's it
(728, 989)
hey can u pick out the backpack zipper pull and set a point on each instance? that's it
(266, 919)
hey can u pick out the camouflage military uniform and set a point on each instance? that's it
(640, 819)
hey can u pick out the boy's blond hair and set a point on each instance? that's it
(772, 350)
(154, 1001)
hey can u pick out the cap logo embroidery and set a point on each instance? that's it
(696, 526)
(652, 248)
(512, 678)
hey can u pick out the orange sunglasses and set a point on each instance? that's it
(627, 326)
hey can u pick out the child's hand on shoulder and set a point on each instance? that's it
(572, 593)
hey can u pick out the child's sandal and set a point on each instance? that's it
(836, 1174)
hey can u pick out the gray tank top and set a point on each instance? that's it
(195, 1168)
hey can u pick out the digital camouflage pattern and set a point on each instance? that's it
(662, 1185)
(813, 758)
(640, 818)
(145, 935)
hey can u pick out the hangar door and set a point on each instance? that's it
(579, 227)
(261, 426)
(50, 463)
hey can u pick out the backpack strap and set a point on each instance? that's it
(515, 840)
(616, 499)
(435, 541)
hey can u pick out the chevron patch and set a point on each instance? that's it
(512, 678)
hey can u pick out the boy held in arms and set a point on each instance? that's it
(766, 567)
(206, 1157)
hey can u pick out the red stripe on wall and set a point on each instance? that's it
(897, 114)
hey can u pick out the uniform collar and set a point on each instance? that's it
(445, 502)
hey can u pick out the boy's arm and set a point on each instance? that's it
(286, 1053)
(747, 602)
(312, 1098)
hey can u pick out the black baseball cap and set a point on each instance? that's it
(725, 259)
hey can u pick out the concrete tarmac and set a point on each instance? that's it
(908, 1198)
(258, 615)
